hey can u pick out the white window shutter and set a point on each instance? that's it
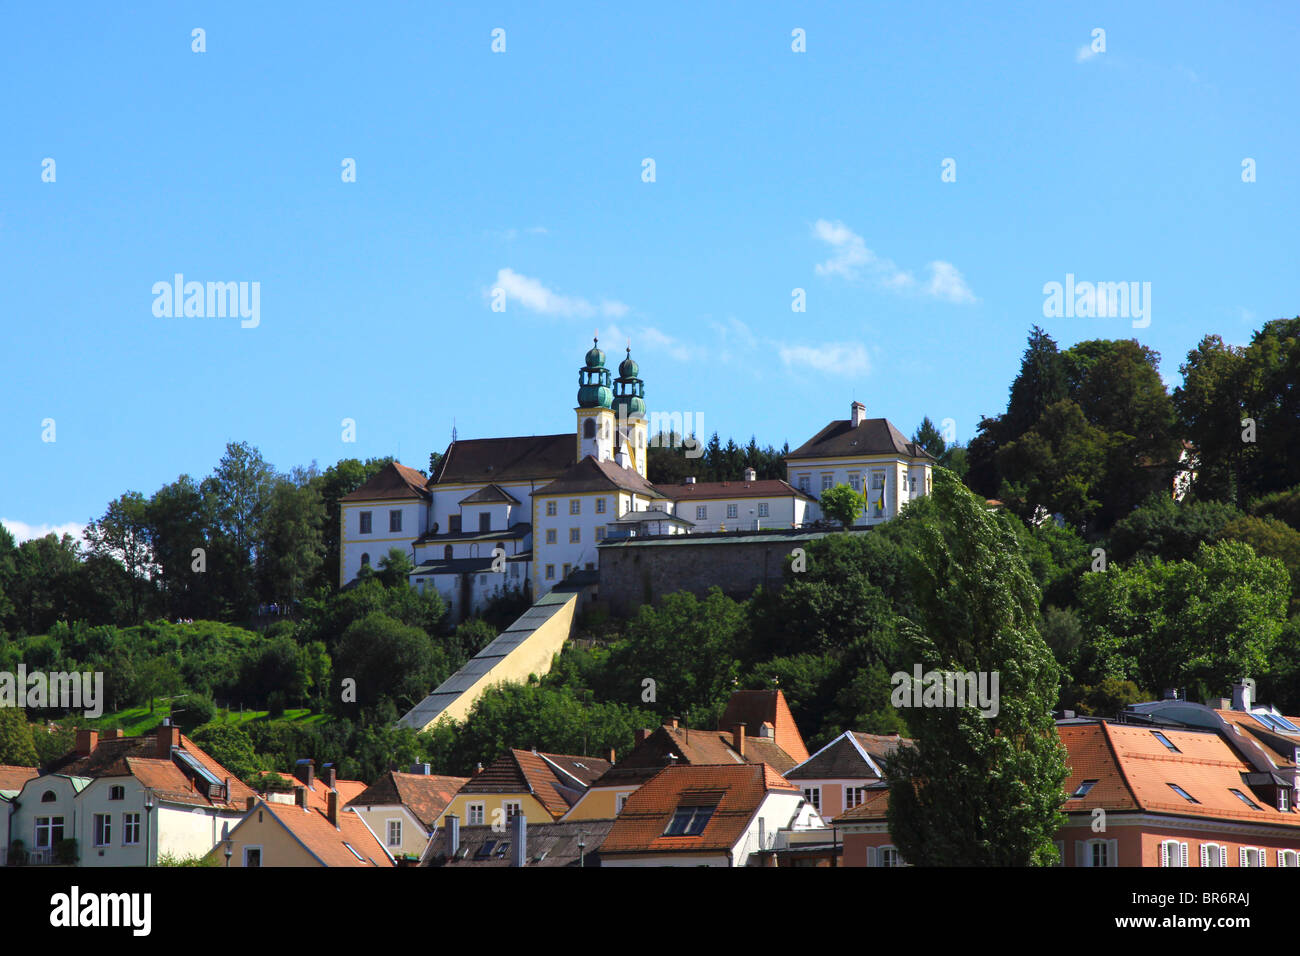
(1184, 854)
(1223, 856)
(1164, 852)
(1205, 855)
(872, 855)
(1112, 852)
(1081, 855)
(1281, 860)
(1242, 860)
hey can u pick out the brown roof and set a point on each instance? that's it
(842, 760)
(139, 757)
(525, 771)
(762, 488)
(754, 707)
(425, 795)
(13, 778)
(489, 494)
(736, 791)
(507, 459)
(690, 748)
(874, 436)
(592, 475)
(1278, 747)
(874, 806)
(324, 841)
(394, 480)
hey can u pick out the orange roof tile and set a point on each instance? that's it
(425, 795)
(525, 771)
(737, 790)
(327, 843)
(754, 707)
(13, 778)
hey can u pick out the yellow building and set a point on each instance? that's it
(541, 787)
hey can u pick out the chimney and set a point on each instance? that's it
(857, 414)
(300, 797)
(249, 802)
(420, 769)
(672, 722)
(750, 475)
(332, 808)
(87, 741)
(452, 824)
(518, 840)
(1242, 693)
(305, 770)
(689, 480)
(329, 773)
(114, 734)
(642, 734)
(738, 738)
(613, 756)
(478, 768)
(168, 737)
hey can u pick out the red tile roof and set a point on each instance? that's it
(139, 757)
(13, 778)
(737, 791)
(761, 488)
(754, 707)
(394, 481)
(329, 844)
(524, 771)
(425, 795)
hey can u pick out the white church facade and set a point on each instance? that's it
(525, 513)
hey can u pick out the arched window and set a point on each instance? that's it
(589, 428)
(365, 559)
(48, 796)
(446, 553)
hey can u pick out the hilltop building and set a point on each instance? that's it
(524, 513)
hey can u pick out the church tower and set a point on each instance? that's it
(595, 416)
(630, 417)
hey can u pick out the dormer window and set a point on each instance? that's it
(1183, 793)
(1245, 799)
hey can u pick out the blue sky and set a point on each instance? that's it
(522, 170)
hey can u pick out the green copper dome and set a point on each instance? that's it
(593, 381)
(628, 368)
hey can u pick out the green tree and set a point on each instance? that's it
(978, 790)
(843, 505)
(389, 660)
(17, 745)
(293, 544)
(230, 747)
(123, 533)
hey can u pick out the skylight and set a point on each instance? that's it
(1183, 793)
(1276, 722)
(1083, 789)
(1246, 800)
(1166, 741)
(689, 821)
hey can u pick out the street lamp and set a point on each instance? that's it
(582, 849)
(230, 851)
(148, 825)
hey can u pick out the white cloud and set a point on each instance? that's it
(837, 358)
(852, 260)
(22, 531)
(946, 283)
(647, 337)
(536, 297)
